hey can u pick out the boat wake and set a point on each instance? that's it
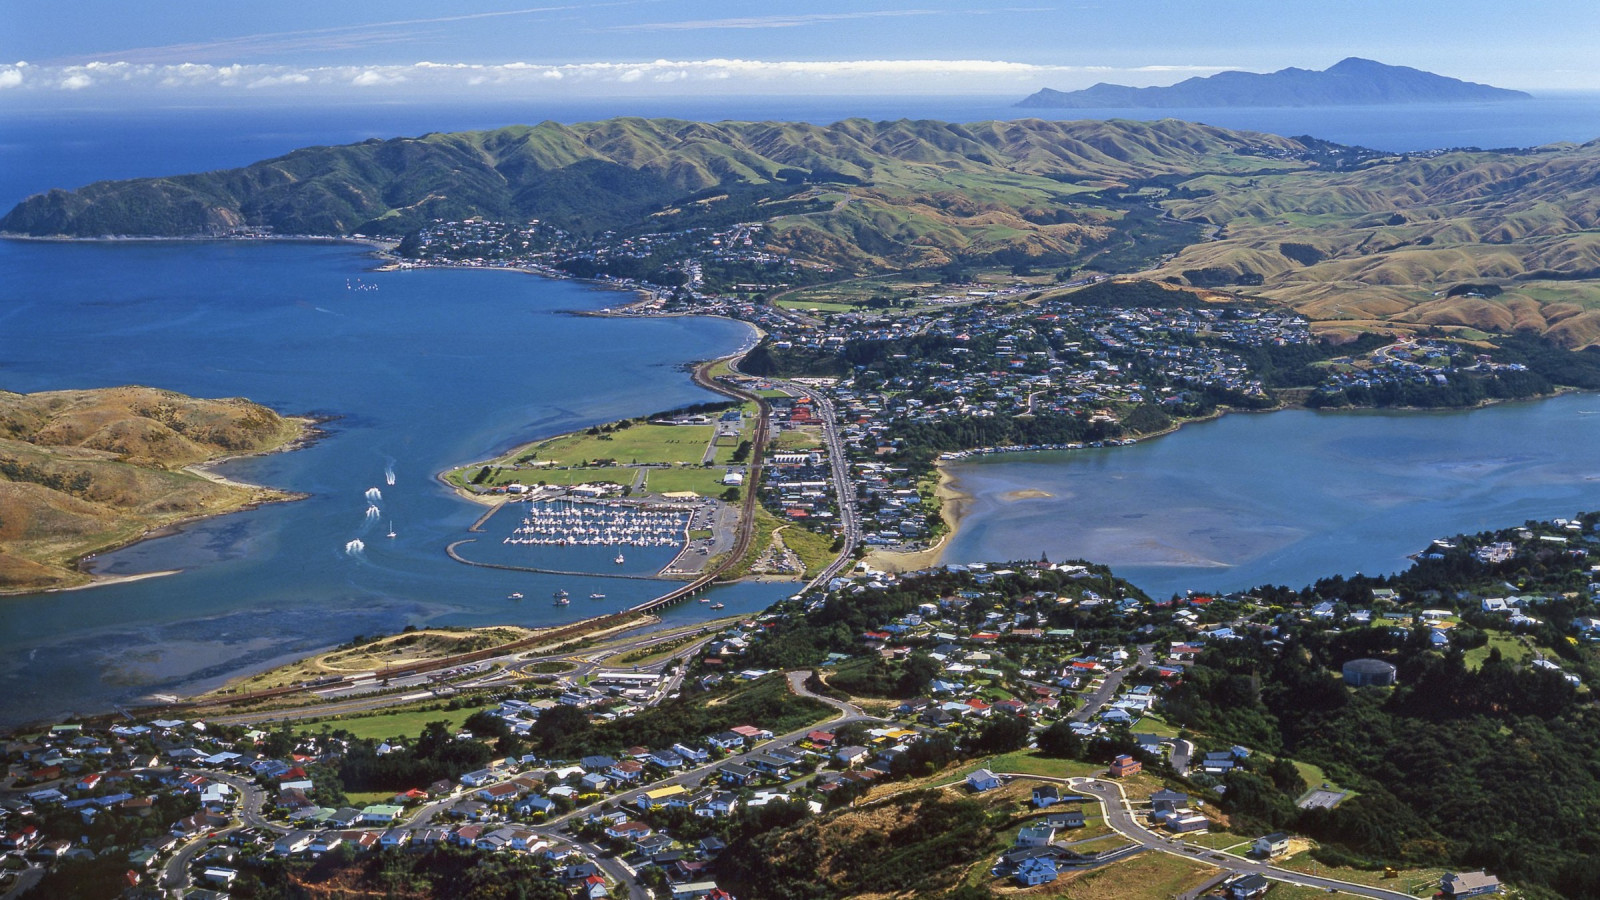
(388, 474)
(355, 547)
(374, 495)
(373, 512)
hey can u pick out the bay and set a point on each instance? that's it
(1284, 497)
(434, 368)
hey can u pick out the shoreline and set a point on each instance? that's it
(955, 504)
(307, 432)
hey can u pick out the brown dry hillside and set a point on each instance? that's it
(82, 471)
(1408, 240)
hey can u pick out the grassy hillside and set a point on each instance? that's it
(81, 471)
(1344, 235)
(883, 193)
(1493, 241)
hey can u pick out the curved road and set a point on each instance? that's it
(1119, 815)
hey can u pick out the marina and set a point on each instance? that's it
(572, 523)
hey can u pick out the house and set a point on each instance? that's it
(1248, 887)
(1072, 818)
(716, 805)
(735, 774)
(1035, 835)
(292, 843)
(380, 814)
(851, 756)
(1046, 795)
(1268, 846)
(727, 740)
(628, 770)
(529, 805)
(770, 764)
(1034, 871)
(594, 781)
(630, 831)
(1125, 765)
(983, 780)
(1468, 884)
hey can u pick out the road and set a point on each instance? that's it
(252, 799)
(1108, 686)
(843, 487)
(1120, 816)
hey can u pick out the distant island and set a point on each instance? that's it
(1350, 82)
(92, 470)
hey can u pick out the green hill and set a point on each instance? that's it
(1348, 236)
(895, 193)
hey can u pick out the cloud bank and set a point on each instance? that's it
(429, 80)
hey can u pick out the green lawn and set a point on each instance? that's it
(705, 482)
(402, 723)
(1154, 724)
(798, 439)
(1419, 882)
(1513, 648)
(636, 444)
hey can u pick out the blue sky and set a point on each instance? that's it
(317, 48)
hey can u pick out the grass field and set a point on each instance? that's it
(798, 439)
(643, 443)
(1147, 876)
(1513, 648)
(705, 482)
(1410, 881)
(407, 723)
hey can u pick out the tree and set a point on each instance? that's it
(1003, 733)
(1060, 741)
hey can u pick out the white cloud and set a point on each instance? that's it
(374, 78)
(472, 80)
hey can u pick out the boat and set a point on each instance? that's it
(619, 560)
(561, 598)
(718, 605)
(514, 596)
(597, 596)
(705, 599)
(391, 530)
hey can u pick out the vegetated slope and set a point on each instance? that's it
(84, 470)
(1498, 241)
(1352, 81)
(901, 192)
(918, 843)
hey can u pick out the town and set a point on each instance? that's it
(1086, 720)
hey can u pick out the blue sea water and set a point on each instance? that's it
(436, 368)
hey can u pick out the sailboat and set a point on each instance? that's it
(597, 596)
(561, 598)
(391, 528)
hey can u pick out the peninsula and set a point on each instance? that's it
(1350, 82)
(86, 471)
(1362, 240)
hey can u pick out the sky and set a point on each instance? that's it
(178, 51)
